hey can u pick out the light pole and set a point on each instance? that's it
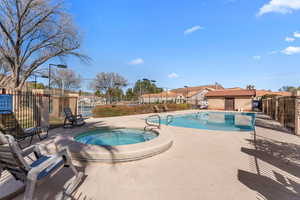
(154, 86)
(167, 90)
(49, 72)
(117, 87)
(145, 79)
(49, 79)
(187, 93)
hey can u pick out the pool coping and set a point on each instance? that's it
(114, 154)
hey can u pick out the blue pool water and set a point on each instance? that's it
(226, 121)
(115, 137)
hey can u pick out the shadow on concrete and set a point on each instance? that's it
(267, 188)
(271, 124)
(282, 155)
(54, 187)
(276, 165)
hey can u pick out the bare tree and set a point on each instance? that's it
(33, 32)
(66, 79)
(108, 82)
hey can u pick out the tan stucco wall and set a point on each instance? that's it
(59, 103)
(243, 102)
(217, 103)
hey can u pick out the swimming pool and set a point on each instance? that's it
(226, 121)
(115, 137)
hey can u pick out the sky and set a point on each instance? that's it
(191, 42)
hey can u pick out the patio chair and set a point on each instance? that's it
(156, 109)
(13, 159)
(72, 120)
(165, 108)
(21, 134)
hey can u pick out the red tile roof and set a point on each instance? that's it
(197, 88)
(162, 94)
(230, 93)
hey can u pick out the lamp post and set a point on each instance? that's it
(140, 99)
(187, 93)
(145, 79)
(49, 72)
(117, 87)
(167, 90)
(153, 82)
(49, 78)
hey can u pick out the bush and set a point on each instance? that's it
(121, 110)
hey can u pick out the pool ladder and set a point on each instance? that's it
(169, 119)
(151, 124)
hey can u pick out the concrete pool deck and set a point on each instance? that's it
(201, 164)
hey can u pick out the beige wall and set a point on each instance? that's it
(244, 103)
(59, 103)
(216, 103)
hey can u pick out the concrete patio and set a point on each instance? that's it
(201, 164)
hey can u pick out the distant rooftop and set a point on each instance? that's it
(231, 92)
(197, 88)
(260, 93)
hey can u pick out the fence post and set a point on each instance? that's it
(276, 107)
(297, 115)
(44, 109)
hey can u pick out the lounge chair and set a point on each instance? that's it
(156, 109)
(13, 159)
(72, 120)
(165, 108)
(21, 134)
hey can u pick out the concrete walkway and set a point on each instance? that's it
(201, 164)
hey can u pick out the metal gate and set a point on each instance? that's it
(86, 104)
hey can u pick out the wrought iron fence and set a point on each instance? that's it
(20, 110)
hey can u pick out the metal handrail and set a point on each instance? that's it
(169, 119)
(149, 124)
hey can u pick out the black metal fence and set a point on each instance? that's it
(20, 110)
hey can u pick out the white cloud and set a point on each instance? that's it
(280, 6)
(192, 29)
(173, 75)
(256, 57)
(289, 39)
(136, 61)
(296, 34)
(291, 50)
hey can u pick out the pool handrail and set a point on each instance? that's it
(169, 119)
(149, 124)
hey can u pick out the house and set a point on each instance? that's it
(198, 97)
(162, 97)
(192, 95)
(228, 99)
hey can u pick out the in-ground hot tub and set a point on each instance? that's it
(115, 144)
(115, 137)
